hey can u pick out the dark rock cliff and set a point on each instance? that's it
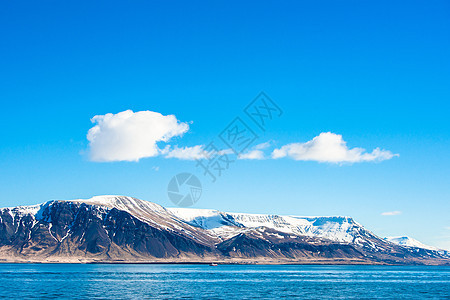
(77, 229)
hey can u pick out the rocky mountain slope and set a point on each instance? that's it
(125, 229)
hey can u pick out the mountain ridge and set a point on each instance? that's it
(125, 229)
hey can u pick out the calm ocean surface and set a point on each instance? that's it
(63, 281)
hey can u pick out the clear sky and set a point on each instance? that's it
(375, 75)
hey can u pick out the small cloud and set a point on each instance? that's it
(256, 152)
(391, 213)
(330, 147)
(130, 136)
(263, 145)
(253, 154)
(156, 168)
(185, 153)
(192, 153)
(226, 152)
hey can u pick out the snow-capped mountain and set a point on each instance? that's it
(341, 229)
(410, 242)
(225, 224)
(147, 212)
(119, 228)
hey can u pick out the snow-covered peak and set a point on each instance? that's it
(409, 242)
(124, 203)
(20, 211)
(204, 218)
(225, 224)
(147, 212)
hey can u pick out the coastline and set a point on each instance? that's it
(219, 262)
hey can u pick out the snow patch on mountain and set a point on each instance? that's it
(224, 224)
(20, 211)
(407, 241)
(124, 203)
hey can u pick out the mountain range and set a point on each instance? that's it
(128, 230)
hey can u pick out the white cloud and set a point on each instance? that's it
(263, 145)
(253, 154)
(185, 153)
(130, 136)
(330, 147)
(391, 213)
(226, 152)
(192, 153)
(256, 152)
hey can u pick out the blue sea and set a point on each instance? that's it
(141, 281)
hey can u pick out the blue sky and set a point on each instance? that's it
(375, 73)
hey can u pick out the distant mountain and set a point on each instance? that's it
(410, 242)
(125, 229)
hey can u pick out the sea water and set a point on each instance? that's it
(146, 281)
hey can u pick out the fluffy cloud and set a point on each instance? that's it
(130, 136)
(391, 213)
(330, 147)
